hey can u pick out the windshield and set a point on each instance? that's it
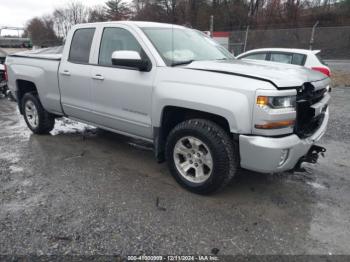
(181, 45)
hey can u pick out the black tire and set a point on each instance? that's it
(223, 149)
(46, 121)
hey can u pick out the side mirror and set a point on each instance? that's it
(129, 59)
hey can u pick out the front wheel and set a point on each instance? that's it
(37, 118)
(201, 156)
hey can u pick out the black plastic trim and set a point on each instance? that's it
(158, 144)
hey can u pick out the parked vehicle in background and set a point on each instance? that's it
(207, 113)
(3, 80)
(302, 57)
(2, 57)
(217, 44)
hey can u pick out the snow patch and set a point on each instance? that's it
(67, 126)
(16, 169)
(9, 157)
(316, 185)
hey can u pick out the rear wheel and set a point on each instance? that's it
(201, 156)
(37, 118)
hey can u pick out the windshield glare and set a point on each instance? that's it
(182, 44)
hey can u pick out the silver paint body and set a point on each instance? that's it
(131, 102)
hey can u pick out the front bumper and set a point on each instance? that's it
(263, 154)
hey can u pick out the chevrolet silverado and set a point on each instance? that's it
(206, 113)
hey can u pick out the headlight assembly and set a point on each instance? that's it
(276, 101)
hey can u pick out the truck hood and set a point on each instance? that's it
(278, 74)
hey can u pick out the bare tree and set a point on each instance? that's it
(149, 10)
(170, 9)
(41, 31)
(229, 14)
(65, 18)
(97, 14)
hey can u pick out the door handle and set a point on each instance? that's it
(65, 73)
(98, 77)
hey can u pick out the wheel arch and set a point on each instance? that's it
(23, 87)
(173, 115)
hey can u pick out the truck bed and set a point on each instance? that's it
(39, 67)
(52, 53)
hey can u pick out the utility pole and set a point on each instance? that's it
(312, 39)
(246, 39)
(211, 25)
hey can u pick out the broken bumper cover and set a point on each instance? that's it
(264, 154)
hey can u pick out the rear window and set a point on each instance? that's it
(298, 59)
(281, 58)
(81, 45)
(257, 56)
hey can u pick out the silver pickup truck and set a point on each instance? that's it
(206, 113)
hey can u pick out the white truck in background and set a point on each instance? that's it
(206, 113)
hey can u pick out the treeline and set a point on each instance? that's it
(228, 15)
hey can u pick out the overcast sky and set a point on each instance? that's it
(18, 12)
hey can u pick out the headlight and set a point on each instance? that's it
(276, 101)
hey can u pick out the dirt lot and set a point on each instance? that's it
(340, 72)
(85, 191)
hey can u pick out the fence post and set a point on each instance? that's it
(211, 25)
(246, 39)
(312, 39)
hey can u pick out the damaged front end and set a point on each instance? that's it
(311, 157)
(311, 106)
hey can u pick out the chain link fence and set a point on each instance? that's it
(333, 41)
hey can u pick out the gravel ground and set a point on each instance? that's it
(83, 191)
(340, 72)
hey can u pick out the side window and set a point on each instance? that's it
(81, 45)
(298, 59)
(258, 56)
(281, 58)
(116, 39)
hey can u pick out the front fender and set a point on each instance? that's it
(228, 103)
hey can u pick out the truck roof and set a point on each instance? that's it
(135, 23)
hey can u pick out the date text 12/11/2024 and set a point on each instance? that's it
(172, 258)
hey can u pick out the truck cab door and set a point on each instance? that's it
(74, 75)
(122, 96)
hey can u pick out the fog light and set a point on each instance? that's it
(283, 157)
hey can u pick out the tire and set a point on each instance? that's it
(217, 161)
(33, 110)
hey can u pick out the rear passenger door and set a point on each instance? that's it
(75, 76)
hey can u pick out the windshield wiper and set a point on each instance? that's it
(182, 62)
